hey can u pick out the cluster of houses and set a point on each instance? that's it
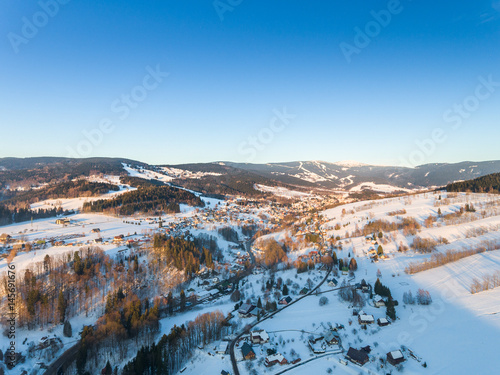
(261, 337)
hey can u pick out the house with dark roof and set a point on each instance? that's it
(331, 338)
(247, 351)
(333, 283)
(285, 300)
(358, 357)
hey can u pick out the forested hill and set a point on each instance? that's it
(36, 171)
(70, 189)
(485, 184)
(153, 199)
(15, 205)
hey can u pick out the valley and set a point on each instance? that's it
(333, 283)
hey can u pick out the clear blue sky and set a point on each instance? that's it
(231, 67)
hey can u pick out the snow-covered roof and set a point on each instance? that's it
(396, 354)
(246, 308)
(262, 334)
(366, 318)
(275, 357)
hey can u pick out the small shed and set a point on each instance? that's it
(395, 357)
(382, 322)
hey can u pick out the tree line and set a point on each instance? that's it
(408, 225)
(488, 281)
(21, 214)
(139, 182)
(485, 184)
(440, 259)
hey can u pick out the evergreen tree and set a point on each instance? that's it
(390, 310)
(285, 290)
(183, 300)
(62, 304)
(377, 286)
(334, 256)
(108, 369)
(67, 330)
(78, 264)
(380, 250)
(170, 303)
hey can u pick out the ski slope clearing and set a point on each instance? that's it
(382, 188)
(281, 191)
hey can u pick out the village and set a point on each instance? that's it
(335, 300)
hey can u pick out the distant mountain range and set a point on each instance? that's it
(349, 175)
(227, 177)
